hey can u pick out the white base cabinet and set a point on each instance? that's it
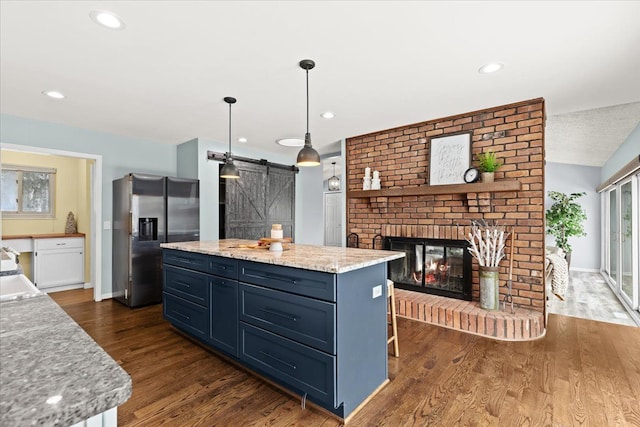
(58, 261)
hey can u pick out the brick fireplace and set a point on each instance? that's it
(406, 206)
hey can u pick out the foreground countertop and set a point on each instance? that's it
(329, 259)
(43, 354)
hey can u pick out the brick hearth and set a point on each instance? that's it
(467, 316)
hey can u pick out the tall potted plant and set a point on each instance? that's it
(488, 163)
(565, 219)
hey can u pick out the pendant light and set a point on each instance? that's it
(307, 155)
(334, 181)
(229, 170)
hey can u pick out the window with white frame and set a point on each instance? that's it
(27, 191)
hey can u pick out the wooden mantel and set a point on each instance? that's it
(426, 190)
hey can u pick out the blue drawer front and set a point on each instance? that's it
(187, 284)
(314, 284)
(303, 319)
(301, 367)
(190, 260)
(220, 266)
(185, 315)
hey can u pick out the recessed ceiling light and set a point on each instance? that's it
(328, 115)
(107, 19)
(291, 142)
(53, 94)
(491, 67)
(242, 139)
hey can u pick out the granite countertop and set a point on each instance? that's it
(44, 354)
(329, 259)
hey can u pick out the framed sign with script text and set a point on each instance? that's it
(450, 158)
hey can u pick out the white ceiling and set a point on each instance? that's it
(380, 64)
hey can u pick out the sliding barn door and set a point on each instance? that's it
(262, 196)
(281, 197)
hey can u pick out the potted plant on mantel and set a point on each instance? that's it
(488, 164)
(564, 220)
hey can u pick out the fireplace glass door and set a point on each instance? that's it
(441, 267)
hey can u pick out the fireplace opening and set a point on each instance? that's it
(435, 266)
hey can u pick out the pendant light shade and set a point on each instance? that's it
(308, 156)
(334, 181)
(229, 170)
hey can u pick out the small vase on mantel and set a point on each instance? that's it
(487, 177)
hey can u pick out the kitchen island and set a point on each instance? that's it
(51, 372)
(310, 319)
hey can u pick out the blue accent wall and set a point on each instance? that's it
(568, 179)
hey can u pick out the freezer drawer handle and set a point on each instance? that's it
(185, 284)
(287, 364)
(182, 315)
(279, 314)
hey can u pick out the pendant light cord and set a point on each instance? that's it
(229, 129)
(307, 72)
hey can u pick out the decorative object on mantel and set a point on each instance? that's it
(488, 164)
(71, 227)
(366, 181)
(450, 158)
(375, 182)
(487, 247)
(333, 183)
(471, 175)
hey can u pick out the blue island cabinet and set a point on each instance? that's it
(320, 335)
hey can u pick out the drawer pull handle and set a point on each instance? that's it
(182, 315)
(185, 260)
(277, 359)
(280, 314)
(60, 244)
(185, 284)
(219, 267)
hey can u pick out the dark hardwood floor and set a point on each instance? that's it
(582, 372)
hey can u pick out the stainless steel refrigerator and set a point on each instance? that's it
(149, 210)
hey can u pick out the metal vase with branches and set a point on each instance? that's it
(487, 244)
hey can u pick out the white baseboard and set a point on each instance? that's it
(88, 286)
(107, 296)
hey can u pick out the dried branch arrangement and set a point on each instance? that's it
(487, 243)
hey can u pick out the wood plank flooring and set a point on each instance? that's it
(588, 296)
(582, 372)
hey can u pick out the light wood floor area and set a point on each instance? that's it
(588, 296)
(582, 372)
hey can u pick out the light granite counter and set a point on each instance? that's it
(329, 259)
(46, 357)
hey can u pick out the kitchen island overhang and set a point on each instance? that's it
(312, 319)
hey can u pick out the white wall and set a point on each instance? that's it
(568, 179)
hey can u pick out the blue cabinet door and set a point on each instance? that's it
(224, 314)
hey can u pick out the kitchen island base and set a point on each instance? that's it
(319, 333)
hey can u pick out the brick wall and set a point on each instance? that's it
(515, 133)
